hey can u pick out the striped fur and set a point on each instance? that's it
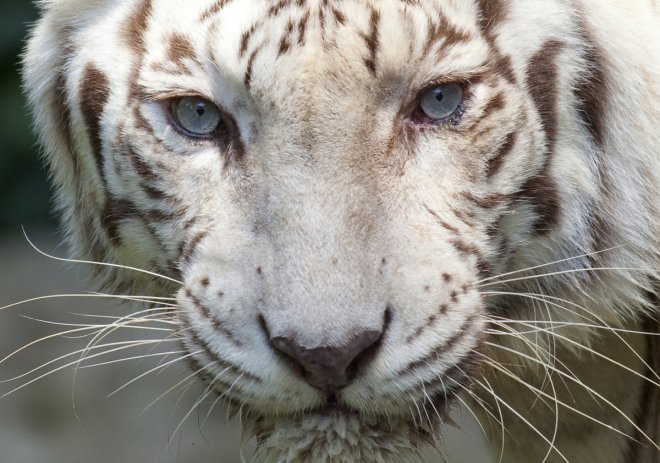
(327, 205)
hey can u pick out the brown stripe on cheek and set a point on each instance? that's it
(141, 168)
(591, 90)
(542, 83)
(497, 103)
(466, 248)
(339, 16)
(496, 161)
(94, 95)
(487, 202)
(285, 41)
(275, 9)
(140, 121)
(504, 67)
(189, 247)
(119, 209)
(116, 210)
(541, 190)
(302, 28)
(494, 105)
(440, 221)
(153, 192)
(322, 23)
(439, 352)
(542, 79)
(245, 40)
(591, 93)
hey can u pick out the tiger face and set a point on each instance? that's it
(326, 187)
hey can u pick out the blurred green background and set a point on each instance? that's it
(24, 190)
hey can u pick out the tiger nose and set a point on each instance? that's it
(330, 368)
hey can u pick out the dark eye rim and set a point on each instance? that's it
(223, 132)
(419, 118)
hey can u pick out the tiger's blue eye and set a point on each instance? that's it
(441, 101)
(197, 116)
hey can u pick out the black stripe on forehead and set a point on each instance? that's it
(179, 49)
(180, 55)
(213, 10)
(441, 30)
(137, 26)
(134, 35)
(372, 40)
(491, 14)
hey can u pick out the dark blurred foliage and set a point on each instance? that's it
(24, 190)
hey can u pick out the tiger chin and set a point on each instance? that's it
(339, 437)
(361, 213)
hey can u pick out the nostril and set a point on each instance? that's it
(328, 367)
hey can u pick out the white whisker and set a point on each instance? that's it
(522, 418)
(178, 384)
(562, 272)
(579, 383)
(85, 296)
(128, 359)
(561, 261)
(127, 322)
(120, 346)
(592, 351)
(101, 264)
(159, 367)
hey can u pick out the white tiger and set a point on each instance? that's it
(370, 210)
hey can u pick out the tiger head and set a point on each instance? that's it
(328, 188)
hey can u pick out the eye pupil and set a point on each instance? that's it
(200, 110)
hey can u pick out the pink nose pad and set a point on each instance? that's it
(330, 368)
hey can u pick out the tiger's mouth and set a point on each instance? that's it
(437, 405)
(333, 407)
